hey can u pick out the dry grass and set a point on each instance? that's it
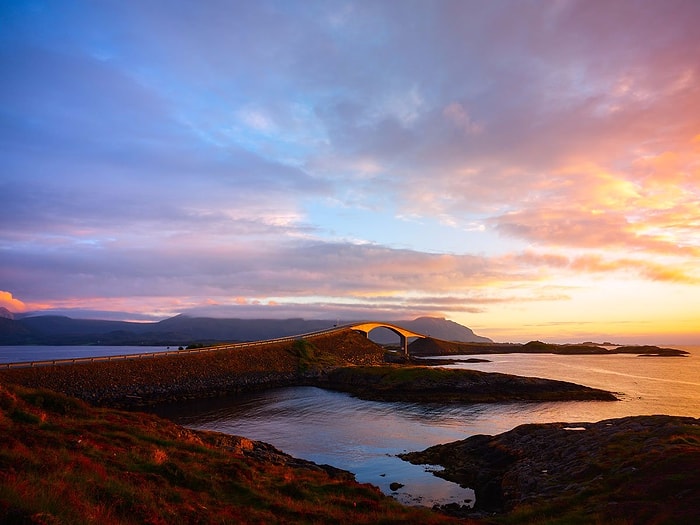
(62, 461)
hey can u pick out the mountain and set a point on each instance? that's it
(209, 328)
(442, 328)
(5, 313)
(184, 330)
(13, 333)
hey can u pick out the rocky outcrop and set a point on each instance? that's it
(643, 469)
(432, 347)
(440, 385)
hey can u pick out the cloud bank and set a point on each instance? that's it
(462, 158)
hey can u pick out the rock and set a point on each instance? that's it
(640, 463)
(440, 385)
(394, 486)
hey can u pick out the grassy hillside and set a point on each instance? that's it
(64, 462)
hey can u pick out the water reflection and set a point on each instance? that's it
(365, 436)
(335, 428)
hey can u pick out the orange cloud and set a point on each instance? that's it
(11, 303)
(647, 269)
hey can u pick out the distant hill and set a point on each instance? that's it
(184, 330)
(442, 328)
(210, 328)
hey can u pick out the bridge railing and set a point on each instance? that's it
(150, 355)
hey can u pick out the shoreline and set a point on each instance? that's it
(171, 378)
(436, 347)
(300, 363)
(639, 469)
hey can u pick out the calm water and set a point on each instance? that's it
(20, 354)
(364, 436)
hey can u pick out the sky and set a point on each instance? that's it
(530, 169)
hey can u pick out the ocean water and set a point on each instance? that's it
(28, 353)
(365, 436)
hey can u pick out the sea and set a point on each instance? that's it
(364, 437)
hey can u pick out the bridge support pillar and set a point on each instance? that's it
(404, 344)
(403, 341)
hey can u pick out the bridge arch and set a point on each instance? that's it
(366, 327)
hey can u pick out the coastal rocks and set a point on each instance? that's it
(643, 469)
(440, 385)
(434, 347)
(651, 351)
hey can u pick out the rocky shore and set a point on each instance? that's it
(435, 347)
(347, 362)
(438, 385)
(643, 469)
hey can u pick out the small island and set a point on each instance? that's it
(437, 347)
(424, 384)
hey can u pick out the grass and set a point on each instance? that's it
(440, 385)
(64, 462)
(310, 358)
(648, 477)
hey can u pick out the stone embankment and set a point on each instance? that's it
(347, 362)
(140, 382)
(642, 469)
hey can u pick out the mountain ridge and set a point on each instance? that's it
(185, 329)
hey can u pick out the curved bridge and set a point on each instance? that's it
(364, 327)
(404, 335)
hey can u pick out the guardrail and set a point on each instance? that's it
(149, 355)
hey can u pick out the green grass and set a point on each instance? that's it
(310, 358)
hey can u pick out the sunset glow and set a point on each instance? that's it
(528, 169)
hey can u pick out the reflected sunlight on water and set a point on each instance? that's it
(365, 436)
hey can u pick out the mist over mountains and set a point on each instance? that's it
(184, 330)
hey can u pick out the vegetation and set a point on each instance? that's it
(441, 385)
(139, 382)
(638, 469)
(430, 346)
(310, 358)
(64, 462)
